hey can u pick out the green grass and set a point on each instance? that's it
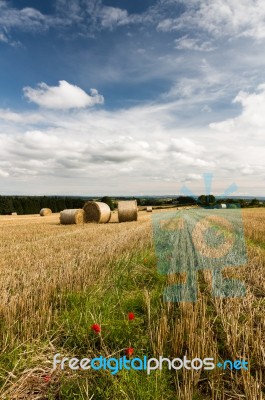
(109, 306)
(127, 385)
(255, 243)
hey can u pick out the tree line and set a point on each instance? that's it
(33, 204)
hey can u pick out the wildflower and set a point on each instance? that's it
(96, 328)
(129, 352)
(131, 316)
(47, 378)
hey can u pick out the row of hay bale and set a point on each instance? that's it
(100, 213)
(97, 212)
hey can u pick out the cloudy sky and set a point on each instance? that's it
(131, 97)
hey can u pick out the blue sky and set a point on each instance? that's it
(131, 97)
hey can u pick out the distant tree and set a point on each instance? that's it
(142, 202)
(227, 201)
(231, 201)
(33, 204)
(206, 200)
(185, 200)
(240, 202)
(52, 204)
(78, 203)
(254, 202)
(17, 206)
(232, 206)
(61, 205)
(6, 205)
(108, 201)
(69, 203)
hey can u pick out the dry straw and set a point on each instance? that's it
(72, 216)
(45, 211)
(149, 208)
(127, 211)
(96, 211)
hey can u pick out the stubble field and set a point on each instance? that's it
(56, 281)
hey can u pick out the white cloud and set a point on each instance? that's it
(221, 18)
(186, 43)
(100, 147)
(3, 38)
(186, 145)
(137, 149)
(20, 118)
(26, 19)
(4, 174)
(252, 118)
(86, 17)
(194, 177)
(111, 16)
(64, 96)
(205, 84)
(93, 16)
(167, 24)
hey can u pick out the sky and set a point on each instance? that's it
(111, 97)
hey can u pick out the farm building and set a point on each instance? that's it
(222, 205)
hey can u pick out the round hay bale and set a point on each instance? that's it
(14, 213)
(149, 209)
(127, 211)
(72, 216)
(96, 211)
(45, 211)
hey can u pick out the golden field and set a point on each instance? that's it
(44, 264)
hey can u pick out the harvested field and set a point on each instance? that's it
(57, 280)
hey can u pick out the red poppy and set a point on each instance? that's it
(47, 378)
(131, 316)
(129, 352)
(96, 328)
